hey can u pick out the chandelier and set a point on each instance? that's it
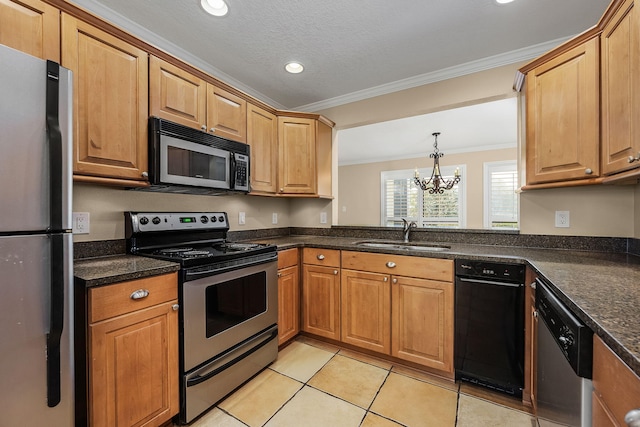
(437, 183)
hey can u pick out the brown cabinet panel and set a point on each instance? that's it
(422, 319)
(133, 363)
(226, 114)
(563, 116)
(320, 256)
(262, 136)
(620, 56)
(366, 310)
(427, 268)
(110, 102)
(297, 155)
(321, 301)
(176, 95)
(288, 303)
(31, 26)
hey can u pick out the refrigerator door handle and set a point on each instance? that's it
(54, 138)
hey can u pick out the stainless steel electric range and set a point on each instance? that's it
(228, 295)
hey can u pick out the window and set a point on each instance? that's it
(401, 198)
(500, 197)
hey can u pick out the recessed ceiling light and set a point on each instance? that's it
(294, 67)
(215, 7)
(503, 1)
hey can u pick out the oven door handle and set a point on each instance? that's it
(202, 378)
(489, 282)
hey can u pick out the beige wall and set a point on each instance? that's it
(359, 185)
(106, 206)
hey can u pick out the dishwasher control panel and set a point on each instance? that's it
(490, 270)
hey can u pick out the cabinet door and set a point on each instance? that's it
(176, 95)
(288, 303)
(133, 368)
(366, 310)
(226, 114)
(321, 301)
(110, 98)
(422, 322)
(31, 26)
(620, 56)
(262, 136)
(563, 117)
(297, 155)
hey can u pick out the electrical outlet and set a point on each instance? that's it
(81, 223)
(323, 217)
(562, 219)
(274, 218)
(241, 218)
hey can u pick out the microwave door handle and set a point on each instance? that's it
(232, 171)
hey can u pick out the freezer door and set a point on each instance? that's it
(25, 140)
(27, 365)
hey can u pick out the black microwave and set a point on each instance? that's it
(183, 159)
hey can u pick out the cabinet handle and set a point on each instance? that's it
(203, 127)
(320, 257)
(279, 274)
(588, 171)
(632, 159)
(394, 281)
(535, 314)
(532, 285)
(633, 418)
(145, 174)
(386, 279)
(139, 294)
(335, 272)
(175, 307)
(391, 264)
(212, 130)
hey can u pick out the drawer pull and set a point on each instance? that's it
(632, 159)
(279, 274)
(139, 294)
(386, 279)
(320, 257)
(391, 264)
(335, 272)
(175, 307)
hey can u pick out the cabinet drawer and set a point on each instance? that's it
(113, 300)
(328, 257)
(287, 258)
(426, 268)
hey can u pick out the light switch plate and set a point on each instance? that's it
(241, 218)
(274, 218)
(323, 217)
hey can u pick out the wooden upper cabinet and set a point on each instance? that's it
(31, 26)
(563, 116)
(262, 136)
(110, 93)
(297, 155)
(176, 95)
(620, 57)
(226, 114)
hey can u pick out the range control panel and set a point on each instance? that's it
(142, 222)
(493, 270)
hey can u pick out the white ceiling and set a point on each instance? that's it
(487, 126)
(350, 49)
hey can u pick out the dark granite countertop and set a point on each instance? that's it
(112, 269)
(601, 288)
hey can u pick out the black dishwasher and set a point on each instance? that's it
(489, 325)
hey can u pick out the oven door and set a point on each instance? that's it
(223, 310)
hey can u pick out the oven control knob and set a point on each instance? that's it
(204, 219)
(156, 220)
(214, 219)
(144, 220)
(221, 218)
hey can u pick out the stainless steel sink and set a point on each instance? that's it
(411, 246)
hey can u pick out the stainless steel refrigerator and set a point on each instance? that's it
(36, 325)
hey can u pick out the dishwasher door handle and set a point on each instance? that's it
(489, 282)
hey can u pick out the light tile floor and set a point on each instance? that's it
(315, 384)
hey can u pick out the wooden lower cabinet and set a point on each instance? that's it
(133, 353)
(321, 301)
(422, 322)
(288, 295)
(616, 388)
(366, 310)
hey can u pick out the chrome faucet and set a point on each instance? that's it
(406, 228)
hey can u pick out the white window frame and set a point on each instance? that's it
(488, 168)
(425, 172)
